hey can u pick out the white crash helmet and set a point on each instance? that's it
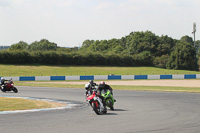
(2, 78)
(87, 86)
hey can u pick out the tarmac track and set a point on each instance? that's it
(135, 112)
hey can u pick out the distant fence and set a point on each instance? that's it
(103, 77)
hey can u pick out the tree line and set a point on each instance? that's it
(135, 49)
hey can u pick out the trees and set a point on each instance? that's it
(87, 43)
(183, 57)
(165, 45)
(19, 46)
(161, 61)
(197, 45)
(42, 45)
(135, 49)
(187, 39)
(138, 42)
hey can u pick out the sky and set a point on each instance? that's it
(70, 22)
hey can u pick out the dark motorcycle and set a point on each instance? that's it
(8, 86)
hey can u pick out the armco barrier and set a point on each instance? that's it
(104, 77)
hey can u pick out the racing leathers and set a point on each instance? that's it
(104, 87)
(89, 88)
(3, 84)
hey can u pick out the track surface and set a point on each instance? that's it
(135, 112)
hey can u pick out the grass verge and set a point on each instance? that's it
(41, 70)
(10, 104)
(158, 88)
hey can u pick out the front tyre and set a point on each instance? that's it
(96, 109)
(15, 90)
(2, 89)
(110, 104)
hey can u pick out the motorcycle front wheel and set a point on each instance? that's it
(15, 90)
(110, 105)
(3, 90)
(96, 109)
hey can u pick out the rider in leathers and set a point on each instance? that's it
(105, 87)
(89, 87)
(3, 84)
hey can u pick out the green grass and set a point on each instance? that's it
(159, 88)
(38, 70)
(41, 84)
(10, 104)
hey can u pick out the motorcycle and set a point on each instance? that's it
(8, 86)
(96, 103)
(108, 98)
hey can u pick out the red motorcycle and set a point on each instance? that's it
(96, 103)
(8, 86)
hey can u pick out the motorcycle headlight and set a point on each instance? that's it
(12, 84)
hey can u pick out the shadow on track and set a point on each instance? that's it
(110, 114)
(112, 111)
(120, 110)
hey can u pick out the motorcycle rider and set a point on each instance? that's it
(3, 84)
(92, 83)
(89, 87)
(105, 87)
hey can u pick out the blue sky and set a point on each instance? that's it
(69, 22)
